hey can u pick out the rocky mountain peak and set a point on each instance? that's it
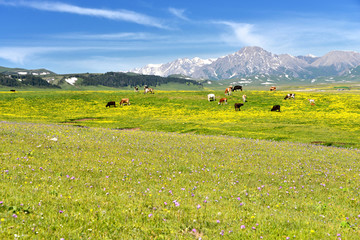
(253, 60)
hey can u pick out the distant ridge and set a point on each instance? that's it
(6, 70)
(250, 61)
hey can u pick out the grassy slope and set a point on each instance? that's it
(67, 182)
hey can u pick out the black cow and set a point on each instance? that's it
(12, 90)
(237, 88)
(112, 103)
(276, 108)
(238, 105)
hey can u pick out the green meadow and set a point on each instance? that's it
(174, 166)
(333, 120)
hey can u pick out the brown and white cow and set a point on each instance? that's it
(125, 101)
(244, 98)
(136, 89)
(290, 95)
(148, 90)
(238, 105)
(223, 100)
(112, 103)
(228, 91)
(272, 88)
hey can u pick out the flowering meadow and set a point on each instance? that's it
(334, 120)
(66, 182)
(174, 166)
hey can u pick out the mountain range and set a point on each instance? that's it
(251, 61)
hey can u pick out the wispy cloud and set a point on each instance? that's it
(180, 13)
(110, 36)
(241, 34)
(18, 55)
(120, 15)
(121, 36)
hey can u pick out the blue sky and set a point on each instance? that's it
(71, 36)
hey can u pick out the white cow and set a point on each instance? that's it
(312, 101)
(244, 98)
(211, 97)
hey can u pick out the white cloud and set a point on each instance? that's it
(178, 13)
(241, 34)
(122, 15)
(111, 36)
(18, 54)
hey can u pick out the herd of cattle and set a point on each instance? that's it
(211, 97)
(126, 101)
(228, 90)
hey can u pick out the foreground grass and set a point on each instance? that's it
(334, 120)
(69, 182)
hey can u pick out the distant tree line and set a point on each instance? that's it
(24, 80)
(116, 79)
(109, 79)
(8, 81)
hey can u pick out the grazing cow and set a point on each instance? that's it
(228, 91)
(237, 87)
(238, 105)
(272, 88)
(244, 98)
(12, 90)
(211, 97)
(148, 90)
(312, 101)
(223, 100)
(276, 108)
(124, 101)
(136, 89)
(112, 103)
(290, 95)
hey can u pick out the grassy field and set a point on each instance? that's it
(174, 166)
(65, 182)
(334, 120)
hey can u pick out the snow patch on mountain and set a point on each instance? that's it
(182, 66)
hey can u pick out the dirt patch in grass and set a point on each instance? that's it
(127, 129)
(83, 119)
(331, 143)
(72, 121)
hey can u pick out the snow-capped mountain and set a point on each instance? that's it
(182, 66)
(250, 61)
(342, 61)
